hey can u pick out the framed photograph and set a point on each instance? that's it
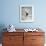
(26, 13)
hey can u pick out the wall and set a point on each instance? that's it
(10, 13)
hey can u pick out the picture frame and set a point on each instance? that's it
(26, 13)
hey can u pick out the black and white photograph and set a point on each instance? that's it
(26, 13)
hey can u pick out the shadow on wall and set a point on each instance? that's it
(2, 26)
